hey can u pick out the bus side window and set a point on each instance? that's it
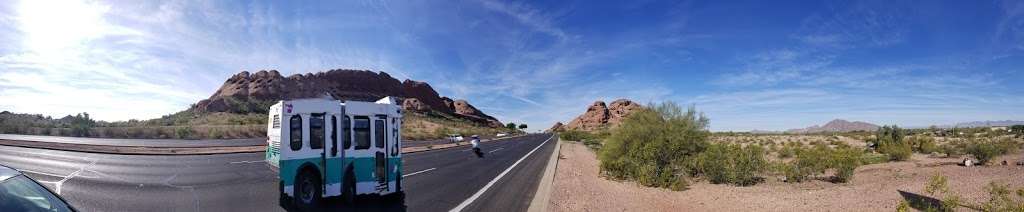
(346, 139)
(334, 135)
(295, 132)
(362, 132)
(316, 131)
(379, 125)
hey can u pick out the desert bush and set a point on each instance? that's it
(845, 161)
(733, 164)
(923, 144)
(889, 141)
(1000, 198)
(652, 145)
(184, 132)
(986, 150)
(574, 135)
(873, 158)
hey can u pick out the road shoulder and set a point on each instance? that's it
(542, 198)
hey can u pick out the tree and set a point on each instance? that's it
(522, 126)
(81, 124)
(510, 125)
(1017, 130)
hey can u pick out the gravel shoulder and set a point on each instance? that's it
(578, 187)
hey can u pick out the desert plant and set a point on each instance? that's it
(653, 145)
(1000, 198)
(923, 144)
(734, 164)
(574, 135)
(184, 132)
(889, 141)
(985, 151)
(845, 161)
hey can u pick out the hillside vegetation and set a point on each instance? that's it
(189, 124)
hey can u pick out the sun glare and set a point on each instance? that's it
(53, 25)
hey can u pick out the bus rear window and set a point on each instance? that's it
(316, 131)
(379, 130)
(361, 129)
(346, 137)
(295, 132)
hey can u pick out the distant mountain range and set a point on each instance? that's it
(837, 125)
(984, 124)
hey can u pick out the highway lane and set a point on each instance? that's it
(138, 142)
(436, 180)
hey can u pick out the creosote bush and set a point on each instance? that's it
(652, 146)
(733, 164)
(810, 162)
(889, 141)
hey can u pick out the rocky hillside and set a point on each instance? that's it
(246, 91)
(837, 125)
(600, 116)
(557, 127)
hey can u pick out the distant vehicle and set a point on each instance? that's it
(501, 135)
(20, 193)
(335, 148)
(455, 138)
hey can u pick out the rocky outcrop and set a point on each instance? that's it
(600, 116)
(462, 107)
(557, 127)
(837, 125)
(251, 90)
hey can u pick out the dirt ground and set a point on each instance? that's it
(876, 187)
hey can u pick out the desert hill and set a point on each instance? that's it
(601, 116)
(837, 125)
(246, 91)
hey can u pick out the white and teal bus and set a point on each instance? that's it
(327, 148)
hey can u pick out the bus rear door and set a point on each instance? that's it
(380, 137)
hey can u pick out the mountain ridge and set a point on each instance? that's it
(837, 125)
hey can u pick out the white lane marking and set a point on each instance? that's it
(72, 175)
(495, 150)
(415, 173)
(489, 184)
(41, 173)
(239, 162)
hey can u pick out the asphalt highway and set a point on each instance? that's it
(139, 142)
(437, 180)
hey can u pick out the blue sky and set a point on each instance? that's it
(746, 64)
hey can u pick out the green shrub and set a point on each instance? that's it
(733, 164)
(808, 162)
(653, 145)
(786, 152)
(889, 141)
(574, 135)
(873, 158)
(845, 161)
(1001, 200)
(985, 151)
(184, 132)
(923, 144)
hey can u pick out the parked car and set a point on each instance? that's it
(21, 193)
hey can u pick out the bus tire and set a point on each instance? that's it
(307, 190)
(348, 194)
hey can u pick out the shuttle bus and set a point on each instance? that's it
(327, 148)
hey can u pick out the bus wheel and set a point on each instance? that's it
(307, 191)
(348, 196)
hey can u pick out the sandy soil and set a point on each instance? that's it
(577, 187)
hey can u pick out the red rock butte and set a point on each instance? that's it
(341, 84)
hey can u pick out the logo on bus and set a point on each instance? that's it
(288, 108)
